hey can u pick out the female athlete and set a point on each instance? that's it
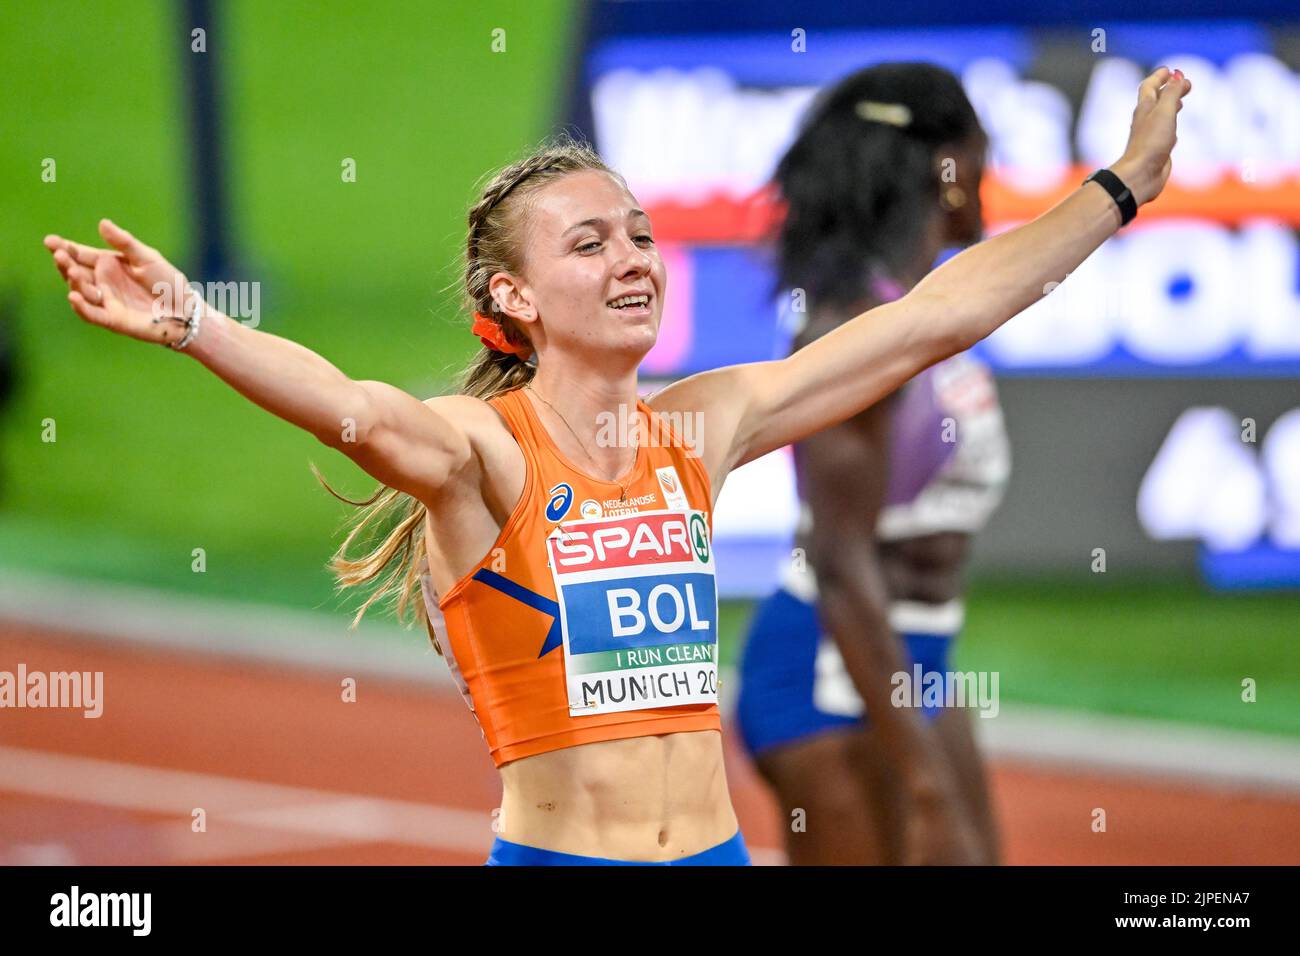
(890, 497)
(574, 567)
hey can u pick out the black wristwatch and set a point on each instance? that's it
(1123, 196)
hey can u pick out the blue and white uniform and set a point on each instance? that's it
(793, 679)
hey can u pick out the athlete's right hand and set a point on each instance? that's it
(1146, 163)
(114, 288)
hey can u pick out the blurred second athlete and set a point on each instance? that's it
(883, 175)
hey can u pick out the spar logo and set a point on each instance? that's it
(561, 498)
(638, 539)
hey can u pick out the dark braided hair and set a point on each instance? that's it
(855, 186)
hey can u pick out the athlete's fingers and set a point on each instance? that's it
(68, 267)
(55, 242)
(71, 270)
(83, 282)
(1171, 99)
(63, 262)
(135, 251)
(79, 273)
(1149, 90)
(86, 255)
(1172, 93)
(91, 313)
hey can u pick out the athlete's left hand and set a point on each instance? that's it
(1146, 163)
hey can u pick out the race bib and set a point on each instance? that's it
(638, 611)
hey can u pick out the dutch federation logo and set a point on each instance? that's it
(558, 506)
(700, 538)
(671, 485)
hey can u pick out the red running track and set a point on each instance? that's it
(285, 772)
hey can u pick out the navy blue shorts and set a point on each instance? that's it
(783, 697)
(731, 853)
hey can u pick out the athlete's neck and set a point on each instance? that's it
(593, 407)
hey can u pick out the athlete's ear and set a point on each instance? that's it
(510, 296)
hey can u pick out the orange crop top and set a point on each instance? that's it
(591, 617)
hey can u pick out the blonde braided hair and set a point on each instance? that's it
(496, 226)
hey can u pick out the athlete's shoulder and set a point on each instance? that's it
(477, 419)
(468, 409)
(495, 466)
(458, 404)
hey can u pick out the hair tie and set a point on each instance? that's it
(492, 335)
(895, 114)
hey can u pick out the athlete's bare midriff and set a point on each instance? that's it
(642, 798)
(929, 568)
(648, 798)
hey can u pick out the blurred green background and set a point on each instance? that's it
(155, 457)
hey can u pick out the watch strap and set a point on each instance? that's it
(1122, 195)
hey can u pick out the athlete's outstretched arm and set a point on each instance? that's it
(757, 407)
(962, 301)
(394, 436)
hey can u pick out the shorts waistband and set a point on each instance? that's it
(731, 852)
(917, 617)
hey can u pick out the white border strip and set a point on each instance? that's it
(314, 818)
(313, 639)
(1142, 747)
